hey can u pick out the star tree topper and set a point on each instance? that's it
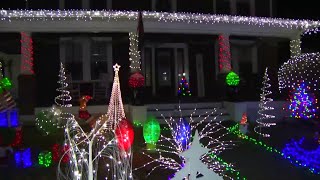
(193, 166)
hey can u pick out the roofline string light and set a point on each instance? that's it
(307, 26)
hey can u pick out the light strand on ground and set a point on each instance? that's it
(224, 53)
(235, 130)
(265, 120)
(180, 140)
(26, 53)
(134, 53)
(192, 18)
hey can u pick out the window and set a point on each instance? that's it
(243, 8)
(195, 6)
(41, 4)
(262, 8)
(163, 5)
(223, 6)
(99, 59)
(136, 5)
(73, 4)
(84, 63)
(98, 4)
(73, 59)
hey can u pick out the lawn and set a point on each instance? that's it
(252, 161)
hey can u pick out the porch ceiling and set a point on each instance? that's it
(154, 22)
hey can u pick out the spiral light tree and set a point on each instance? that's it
(171, 150)
(265, 120)
(64, 98)
(105, 151)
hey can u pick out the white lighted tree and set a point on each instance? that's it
(265, 119)
(171, 150)
(89, 151)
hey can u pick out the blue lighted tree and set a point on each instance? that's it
(303, 103)
(183, 88)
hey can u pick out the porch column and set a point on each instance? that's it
(224, 53)
(26, 79)
(61, 4)
(295, 47)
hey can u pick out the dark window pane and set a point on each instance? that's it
(223, 7)
(147, 65)
(41, 4)
(99, 59)
(73, 4)
(195, 6)
(135, 5)
(262, 8)
(163, 5)
(12, 4)
(98, 4)
(74, 59)
(243, 8)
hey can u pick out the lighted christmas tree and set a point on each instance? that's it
(115, 108)
(244, 119)
(63, 99)
(265, 119)
(183, 88)
(303, 103)
(6, 100)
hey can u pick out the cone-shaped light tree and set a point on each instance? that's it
(89, 151)
(265, 119)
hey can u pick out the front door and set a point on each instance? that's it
(164, 72)
(163, 65)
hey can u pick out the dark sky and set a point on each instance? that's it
(302, 9)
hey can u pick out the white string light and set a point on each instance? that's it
(169, 147)
(304, 67)
(134, 53)
(295, 48)
(264, 119)
(307, 26)
(88, 150)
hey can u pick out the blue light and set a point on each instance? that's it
(3, 119)
(183, 133)
(14, 118)
(23, 158)
(299, 156)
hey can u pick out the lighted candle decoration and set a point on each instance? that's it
(232, 79)
(151, 132)
(125, 134)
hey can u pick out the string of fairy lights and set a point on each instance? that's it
(295, 48)
(26, 53)
(195, 18)
(304, 67)
(265, 120)
(134, 53)
(224, 53)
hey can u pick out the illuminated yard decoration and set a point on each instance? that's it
(285, 152)
(23, 158)
(45, 159)
(298, 155)
(151, 130)
(305, 67)
(169, 153)
(303, 104)
(183, 87)
(265, 120)
(232, 79)
(88, 151)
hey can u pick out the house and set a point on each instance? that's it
(90, 42)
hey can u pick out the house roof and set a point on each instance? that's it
(155, 22)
